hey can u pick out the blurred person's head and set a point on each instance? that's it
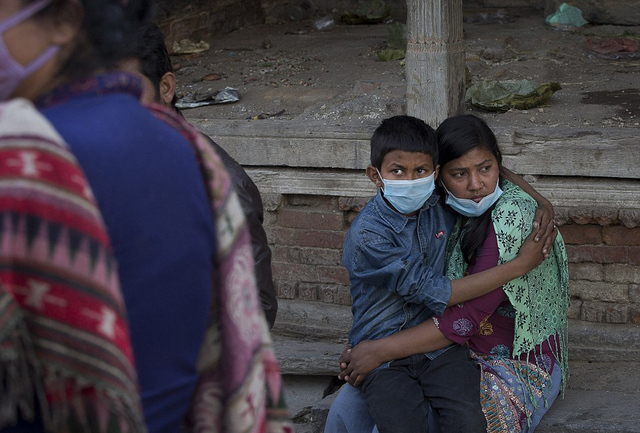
(152, 63)
(44, 43)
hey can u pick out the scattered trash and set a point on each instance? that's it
(367, 12)
(212, 77)
(297, 32)
(397, 43)
(566, 18)
(397, 36)
(192, 100)
(500, 16)
(266, 115)
(187, 46)
(614, 48)
(325, 23)
(503, 95)
(391, 54)
(266, 44)
(302, 10)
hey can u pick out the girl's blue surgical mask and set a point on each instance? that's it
(13, 73)
(470, 208)
(407, 196)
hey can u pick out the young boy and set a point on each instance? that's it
(395, 255)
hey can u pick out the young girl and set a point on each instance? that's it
(517, 333)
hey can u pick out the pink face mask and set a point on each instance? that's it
(13, 73)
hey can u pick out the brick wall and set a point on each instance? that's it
(604, 266)
(306, 235)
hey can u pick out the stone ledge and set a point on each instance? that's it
(592, 152)
(310, 336)
(598, 411)
(602, 342)
(574, 198)
(307, 358)
(312, 321)
(601, 409)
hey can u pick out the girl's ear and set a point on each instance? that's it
(374, 176)
(67, 22)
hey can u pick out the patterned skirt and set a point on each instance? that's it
(516, 394)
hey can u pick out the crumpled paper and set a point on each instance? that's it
(367, 12)
(566, 17)
(192, 100)
(390, 54)
(501, 96)
(187, 46)
(614, 47)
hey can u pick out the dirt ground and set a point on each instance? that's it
(294, 71)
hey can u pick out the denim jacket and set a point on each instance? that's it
(396, 267)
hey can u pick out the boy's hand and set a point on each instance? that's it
(344, 359)
(356, 363)
(544, 228)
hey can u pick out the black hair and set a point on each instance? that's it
(456, 136)
(109, 31)
(153, 55)
(406, 133)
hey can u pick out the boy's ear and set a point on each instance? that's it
(167, 88)
(436, 172)
(373, 176)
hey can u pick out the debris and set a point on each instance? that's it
(266, 115)
(297, 32)
(503, 95)
(397, 36)
(192, 100)
(266, 44)
(367, 12)
(302, 10)
(397, 43)
(212, 77)
(566, 18)
(390, 54)
(614, 48)
(500, 16)
(187, 46)
(325, 23)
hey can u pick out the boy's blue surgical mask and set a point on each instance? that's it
(407, 196)
(470, 208)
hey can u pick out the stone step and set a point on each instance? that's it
(601, 397)
(603, 393)
(309, 337)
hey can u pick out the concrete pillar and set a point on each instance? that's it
(435, 59)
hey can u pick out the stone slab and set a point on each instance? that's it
(600, 408)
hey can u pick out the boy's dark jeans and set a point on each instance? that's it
(398, 396)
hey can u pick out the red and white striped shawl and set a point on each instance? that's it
(64, 339)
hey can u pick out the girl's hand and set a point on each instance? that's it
(356, 363)
(544, 228)
(530, 254)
